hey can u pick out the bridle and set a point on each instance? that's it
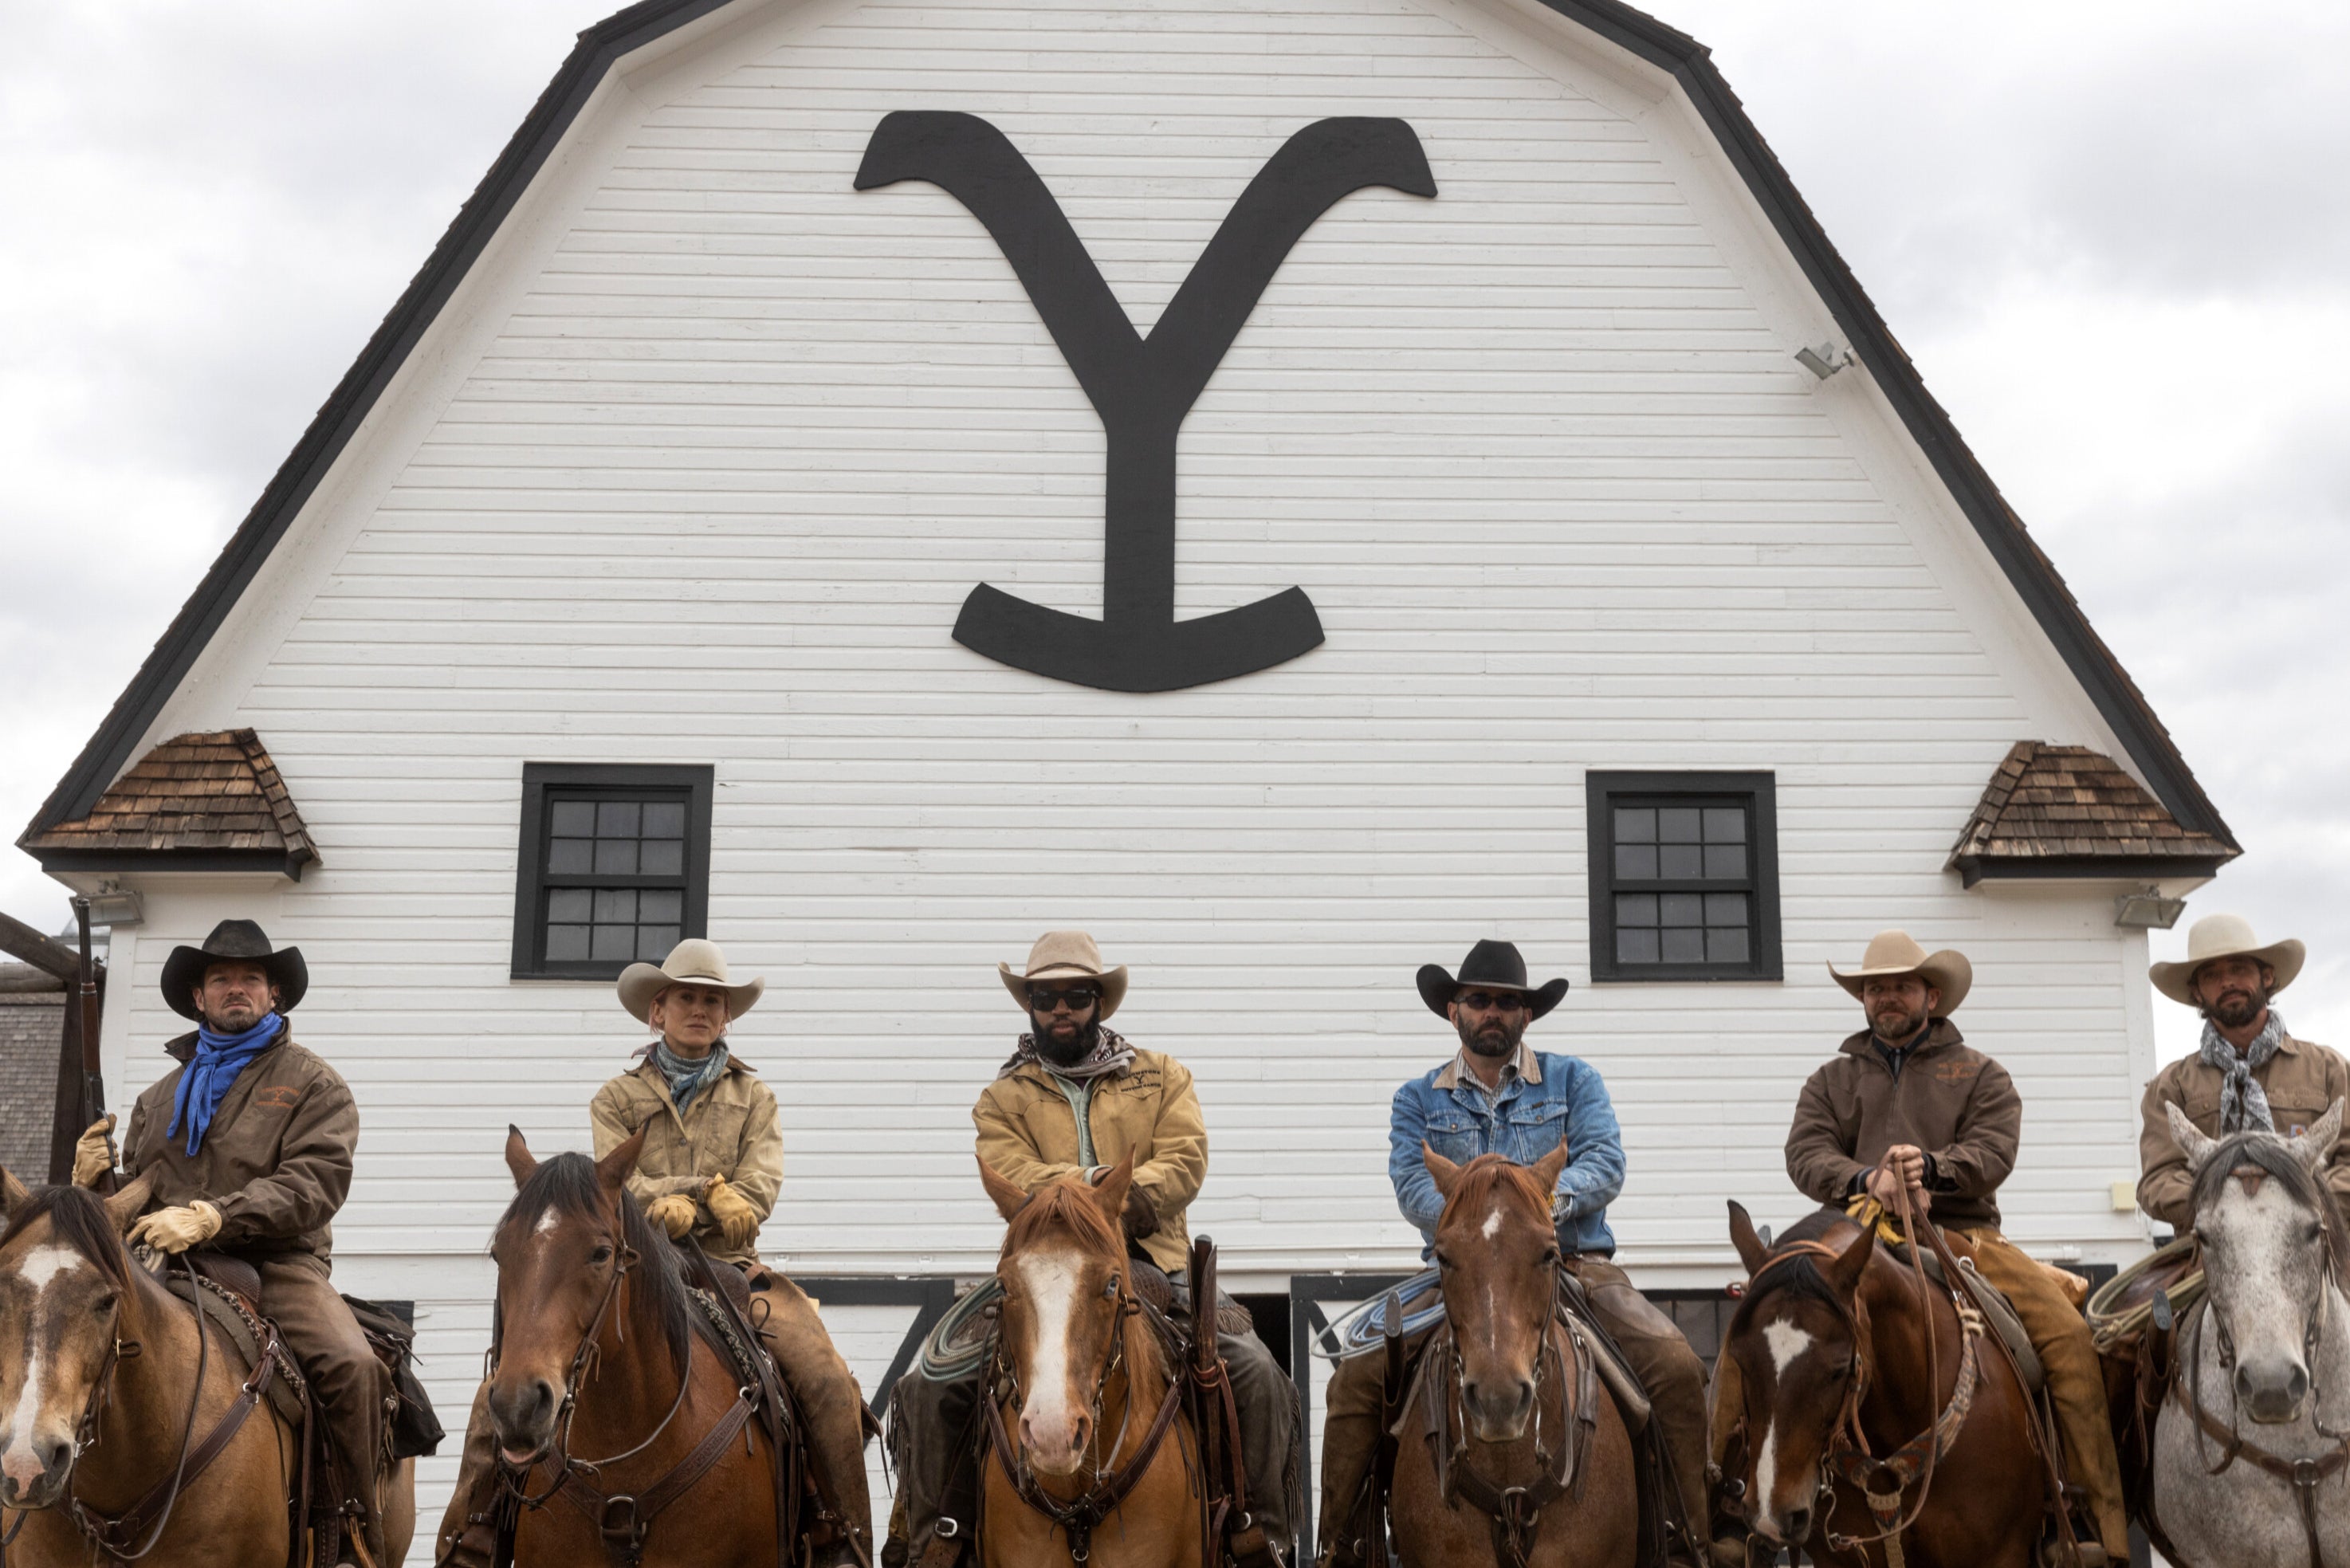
(1079, 1517)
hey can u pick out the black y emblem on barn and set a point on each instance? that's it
(1141, 387)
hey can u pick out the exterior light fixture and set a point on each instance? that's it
(1824, 360)
(2148, 910)
(116, 908)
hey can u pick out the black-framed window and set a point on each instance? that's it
(1684, 876)
(614, 866)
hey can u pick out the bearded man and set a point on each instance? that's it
(710, 1168)
(1906, 1106)
(248, 1143)
(2248, 1073)
(1497, 1097)
(1076, 1097)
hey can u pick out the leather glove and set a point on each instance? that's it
(737, 1220)
(93, 1152)
(1138, 1216)
(674, 1214)
(177, 1229)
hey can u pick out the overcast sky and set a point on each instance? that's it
(2116, 238)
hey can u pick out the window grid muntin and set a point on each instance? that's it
(642, 833)
(1717, 918)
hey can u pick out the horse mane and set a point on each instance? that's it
(1064, 1204)
(1799, 1277)
(567, 1184)
(78, 1221)
(2267, 1151)
(1487, 1175)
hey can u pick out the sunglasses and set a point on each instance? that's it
(1077, 999)
(1491, 1002)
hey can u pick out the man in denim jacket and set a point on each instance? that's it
(1498, 1097)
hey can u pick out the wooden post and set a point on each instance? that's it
(20, 940)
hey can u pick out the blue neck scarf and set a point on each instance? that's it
(218, 1060)
(688, 1077)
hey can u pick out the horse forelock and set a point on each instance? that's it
(76, 1220)
(2264, 1151)
(1783, 1278)
(1489, 1178)
(1062, 1206)
(567, 1185)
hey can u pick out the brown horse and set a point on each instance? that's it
(1089, 1458)
(1511, 1452)
(612, 1396)
(111, 1389)
(1833, 1339)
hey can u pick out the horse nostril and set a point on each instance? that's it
(1799, 1526)
(2297, 1386)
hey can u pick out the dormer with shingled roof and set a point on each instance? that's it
(2071, 811)
(210, 801)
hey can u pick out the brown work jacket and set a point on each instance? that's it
(276, 1160)
(2301, 1081)
(731, 1130)
(1952, 1100)
(1028, 1135)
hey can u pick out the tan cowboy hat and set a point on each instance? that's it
(1894, 952)
(693, 961)
(1067, 955)
(2225, 936)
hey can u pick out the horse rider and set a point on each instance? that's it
(1497, 1096)
(2248, 1070)
(712, 1165)
(1905, 1105)
(248, 1144)
(1076, 1096)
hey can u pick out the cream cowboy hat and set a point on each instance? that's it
(1894, 952)
(1067, 955)
(693, 961)
(2225, 936)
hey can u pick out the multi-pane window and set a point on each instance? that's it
(613, 866)
(1684, 876)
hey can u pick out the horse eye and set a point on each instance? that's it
(2313, 1233)
(102, 1305)
(1442, 1262)
(600, 1254)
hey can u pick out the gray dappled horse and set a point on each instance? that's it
(2251, 1449)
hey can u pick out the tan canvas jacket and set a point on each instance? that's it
(1028, 1135)
(2301, 1081)
(730, 1130)
(1952, 1100)
(276, 1160)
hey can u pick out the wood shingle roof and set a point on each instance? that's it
(2068, 811)
(209, 801)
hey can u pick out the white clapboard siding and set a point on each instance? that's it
(702, 460)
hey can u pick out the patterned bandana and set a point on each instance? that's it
(688, 1076)
(1110, 1053)
(2242, 1102)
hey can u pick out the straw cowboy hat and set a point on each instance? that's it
(183, 971)
(2225, 936)
(1492, 966)
(1067, 955)
(693, 961)
(1893, 953)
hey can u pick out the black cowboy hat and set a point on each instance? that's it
(1494, 966)
(183, 971)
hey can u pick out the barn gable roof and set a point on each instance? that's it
(205, 802)
(2035, 577)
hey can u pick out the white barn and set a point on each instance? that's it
(1588, 613)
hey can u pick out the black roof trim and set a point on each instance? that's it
(2036, 578)
(1975, 869)
(143, 860)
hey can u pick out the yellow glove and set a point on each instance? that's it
(674, 1214)
(177, 1229)
(93, 1152)
(736, 1218)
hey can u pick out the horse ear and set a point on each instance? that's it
(2194, 1145)
(1743, 1236)
(2315, 1146)
(129, 1202)
(1548, 1168)
(1109, 1192)
(1008, 1200)
(519, 1159)
(612, 1170)
(11, 1192)
(1447, 1174)
(1843, 1272)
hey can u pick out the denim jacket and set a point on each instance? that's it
(1553, 1097)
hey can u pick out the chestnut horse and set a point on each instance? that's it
(611, 1396)
(112, 1388)
(1835, 1339)
(1090, 1459)
(1511, 1451)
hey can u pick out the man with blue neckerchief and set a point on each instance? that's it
(248, 1144)
(1496, 1096)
